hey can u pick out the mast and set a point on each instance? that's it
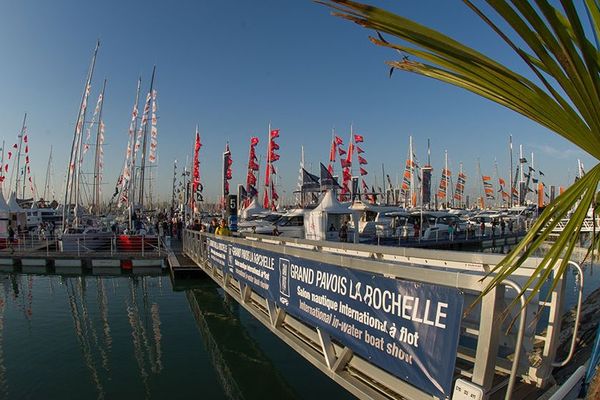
(501, 202)
(510, 175)
(73, 161)
(134, 127)
(99, 133)
(173, 193)
(269, 172)
(145, 139)
(521, 196)
(447, 177)
(412, 178)
(481, 188)
(47, 182)
(2, 168)
(23, 127)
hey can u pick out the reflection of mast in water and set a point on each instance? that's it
(3, 383)
(230, 386)
(89, 325)
(80, 331)
(237, 359)
(103, 305)
(144, 352)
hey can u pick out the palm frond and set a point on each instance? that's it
(566, 99)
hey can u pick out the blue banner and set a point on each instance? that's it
(409, 329)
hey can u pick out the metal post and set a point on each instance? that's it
(142, 245)
(489, 335)
(78, 247)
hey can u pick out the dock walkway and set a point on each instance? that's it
(180, 265)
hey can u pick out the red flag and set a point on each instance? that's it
(359, 150)
(274, 194)
(332, 152)
(502, 182)
(253, 141)
(9, 154)
(344, 163)
(273, 169)
(15, 146)
(253, 165)
(274, 146)
(341, 151)
(363, 171)
(27, 149)
(364, 185)
(349, 155)
(1, 179)
(358, 138)
(274, 134)
(29, 179)
(362, 161)
(338, 140)
(330, 169)
(486, 178)
(27, 159)
(274, 157)
(251, 179)
(228, 174)
(25, 138)
(6, 168)
(266, 199)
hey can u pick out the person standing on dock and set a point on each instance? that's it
(344, 232)
(223, 229)
(11, 237)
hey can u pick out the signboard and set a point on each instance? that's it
(232, 205)
(409, 329)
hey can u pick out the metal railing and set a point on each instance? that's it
(482, 362)
(26, 244)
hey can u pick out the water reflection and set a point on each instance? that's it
(244, 371)
(146, 344)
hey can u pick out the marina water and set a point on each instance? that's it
(135, 337)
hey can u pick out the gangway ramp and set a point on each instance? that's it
(349, 338)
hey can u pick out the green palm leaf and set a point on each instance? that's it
(566, 98)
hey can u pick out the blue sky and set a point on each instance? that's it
(234, 66)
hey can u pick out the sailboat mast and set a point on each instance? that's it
(481, 188)
(510, 175)
(412, 178)
(73, 161)
(47, 182)
(133, 141)
(269, 172)
(145, 139)
(521, 195)
(99, 133)
(18, 172)
(447, 176)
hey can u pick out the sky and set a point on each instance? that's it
(233, 68)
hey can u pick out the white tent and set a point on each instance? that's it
(18, 215)
(324, 222)
(252, 209)
(4, 216)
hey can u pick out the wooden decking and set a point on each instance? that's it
(180, 265)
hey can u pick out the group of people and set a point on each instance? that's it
(217, 227)
(343, 231)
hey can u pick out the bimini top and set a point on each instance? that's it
(331, 205)
(13, 206)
